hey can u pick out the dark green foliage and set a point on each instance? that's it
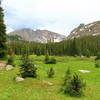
(3, 48)
(97, 63)
(87, 53)
(52, 61)
(85, 46)
(51, 72)
(75, 86)
(46, 60)
(98, 56)
(27, 68)
(11, 61)
(66, 81)
(67, 77)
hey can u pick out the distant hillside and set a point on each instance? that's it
(41, 36)
(85, 30)
(13, 37)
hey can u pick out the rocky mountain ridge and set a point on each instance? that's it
(85, 30)
(41, 36)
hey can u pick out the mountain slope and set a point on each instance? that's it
(41, 36)
(85, 30)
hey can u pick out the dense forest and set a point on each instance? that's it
(83, 46)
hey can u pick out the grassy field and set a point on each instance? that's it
(34, 89)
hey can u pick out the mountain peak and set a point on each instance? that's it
(41, 36)
(85, 30)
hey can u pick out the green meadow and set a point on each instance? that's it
(35, 89)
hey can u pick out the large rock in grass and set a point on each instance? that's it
(2, 65)
(9, 67)
(19, 79)
(47, 83)
(84, 71)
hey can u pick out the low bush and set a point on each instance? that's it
(50, 60)
(97, 57)
(51, 72)
(11, 61)
(97, 63)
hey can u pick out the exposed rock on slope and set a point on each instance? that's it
(41, 36)
(85, 30)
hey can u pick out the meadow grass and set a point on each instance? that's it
(34, 89)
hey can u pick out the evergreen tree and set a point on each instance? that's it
(67, 77)
(11, 61)
(46, 60)
(52, 61)
(97, 61)
(76, 86)
(66, 81)
(3, 48)
(51, 72)
(27, 68)
(98, 56)
(87, 53)
(86, 46)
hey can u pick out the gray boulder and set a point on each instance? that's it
(9, 67)
(47, 83)
(19, 79)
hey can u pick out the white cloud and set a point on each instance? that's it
(9, 29)
(57, 15)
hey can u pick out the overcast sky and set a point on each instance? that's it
(56, 15)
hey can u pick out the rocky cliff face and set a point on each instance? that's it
(85, 30)
(41, 36)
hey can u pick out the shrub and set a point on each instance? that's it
(97, 63)
(46, 60)
(49, 60)
(98, 57)
(52, 61)
(67, 77)
(10, 61)
(66, 81)
(51, 72)
(87, 53)
(27, 68)
(75, 87)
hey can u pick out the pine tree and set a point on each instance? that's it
(97, 61)
(66, 81)
(87, 53)
(67, 77)
(11, 60)
(52, 61)
(46, 60)
(74, 48)
(51, 72)
(76, 86)
(3, 48)
(98, 56)
(27, 69)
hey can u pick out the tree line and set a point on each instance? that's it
(83, 46)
